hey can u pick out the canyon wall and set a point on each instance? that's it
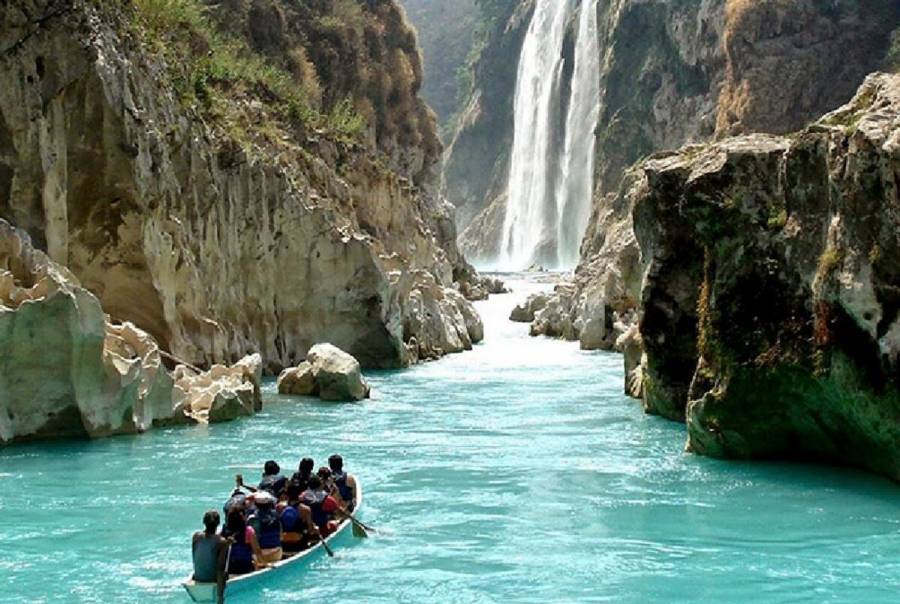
(245, 177)
(771, 291)
(68, 371)
(696, 81)
(447, 32)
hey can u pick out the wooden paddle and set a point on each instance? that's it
(359, 529)
(325, 545)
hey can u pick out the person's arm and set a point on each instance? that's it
(239, 481)
(351, 482)
(306, 516)
(224, 547)
(257, 551)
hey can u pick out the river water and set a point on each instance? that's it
(514, 473)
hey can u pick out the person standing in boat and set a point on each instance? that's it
(210, 554)
(345, 483)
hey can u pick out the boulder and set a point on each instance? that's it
(338, 375)
(525, 312)
(329, 373)
(220, 394)
(68, 371)
(769, 304)
(298, 381)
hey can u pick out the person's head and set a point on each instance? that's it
(306, 466)
(264, 500)
(293, 491)
(236, 521)
(315, 483)
(211, 521)
(324, 474)
(336, 463)
(271, 468)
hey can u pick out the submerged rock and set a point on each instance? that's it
(770, 298)
(329, 373)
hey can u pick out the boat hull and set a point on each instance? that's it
(207, 592)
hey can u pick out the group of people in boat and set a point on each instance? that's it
(278, 518)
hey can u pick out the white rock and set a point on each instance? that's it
(338, 375)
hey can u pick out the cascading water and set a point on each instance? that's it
(550, 182)
(575, 187)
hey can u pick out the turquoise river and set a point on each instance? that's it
(514, 473)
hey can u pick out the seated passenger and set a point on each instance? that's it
(301, 476)
(296, 522)
(210, 553)
(321, 506)
(345, 483)
(267, 526)
(245, 547)
(237, 499)
(273, 481)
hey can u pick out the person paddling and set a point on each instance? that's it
(345, 483)
(297, 528)
(272, 481)
(321, 506)
(210, 554)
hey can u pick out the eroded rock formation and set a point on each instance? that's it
(772, 288)
(205, 216)
(69, 372)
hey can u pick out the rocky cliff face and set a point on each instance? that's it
(476, 161)
(770, 297)
(697, 78)
(70, 372)
(257, 177)
(674, 73)
(446, 32)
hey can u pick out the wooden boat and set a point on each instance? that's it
(206, 592)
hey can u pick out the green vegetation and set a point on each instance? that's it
(218, 74)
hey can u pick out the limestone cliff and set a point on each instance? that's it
(672, 73)
(247, 176)
(770, 299)
(67, 371)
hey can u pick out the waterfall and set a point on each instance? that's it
(575, 187)
(551, 170)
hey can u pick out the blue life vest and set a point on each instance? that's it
(340, 481)
(269, 534)
(241, 551)
(290, 520)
